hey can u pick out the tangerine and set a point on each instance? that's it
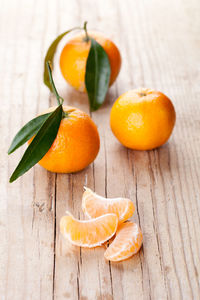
(76, 144)
(74, 55)
(142, 119)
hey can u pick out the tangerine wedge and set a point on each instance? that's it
(89, 233)
(127, 242)
(94, 206)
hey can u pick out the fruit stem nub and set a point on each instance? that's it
(142, 94)
(86, 33)
(60, 100)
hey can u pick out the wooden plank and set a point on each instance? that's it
(27, 210)
(96, 283)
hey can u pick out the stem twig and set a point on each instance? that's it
(53, 84)
(86, 33)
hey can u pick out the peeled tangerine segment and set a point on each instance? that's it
(89, 233)
(127, 242)
(94, 206)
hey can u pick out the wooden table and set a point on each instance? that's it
(159, 42)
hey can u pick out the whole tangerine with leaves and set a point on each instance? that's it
(63, 139)
(76, 144)
(142, 119)
(90, 62)
(74, 56)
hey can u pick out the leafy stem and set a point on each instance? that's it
(53, 84)
(97, 75)
(51, 52)
(44, 128)
(40, 144)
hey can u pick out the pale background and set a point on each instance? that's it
(160, 46)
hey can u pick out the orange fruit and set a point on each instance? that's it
(89, 233)
(94, 206)
(76, 144)
(74, 55)
(142, 119)
(127, 242)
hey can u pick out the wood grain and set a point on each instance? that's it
(159, 42)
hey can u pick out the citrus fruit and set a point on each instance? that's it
(142, 119)
(89, 233)
(94, 206)
(127, 242)
(74, 55)
(76, 144)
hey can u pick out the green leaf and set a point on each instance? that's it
(40, 144)
(50, 55)
(27, 131)
(97, 75)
